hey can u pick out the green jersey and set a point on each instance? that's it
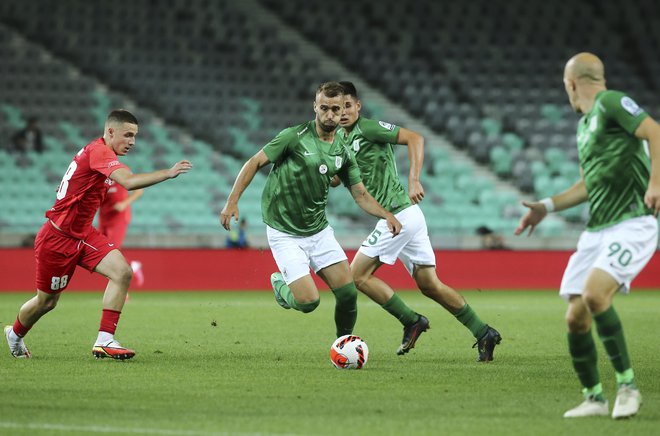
(373, 142)
(296, 192)
(615, 165)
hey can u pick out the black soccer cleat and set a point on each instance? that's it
(486, 345)
(411, 333)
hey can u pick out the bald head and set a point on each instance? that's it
(585, 67)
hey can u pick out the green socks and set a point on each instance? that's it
(610, 331)
(345, 308)
(583, 354)
(398, 309)
(287, 295)
(471, 320)
(595, 392)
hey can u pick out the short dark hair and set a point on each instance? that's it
(330, 89)
(121, 116)
(484, 230)
(349, 89)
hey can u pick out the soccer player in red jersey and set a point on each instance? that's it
(68, 238)
(114, 218)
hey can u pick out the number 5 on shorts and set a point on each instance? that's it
(373, 238)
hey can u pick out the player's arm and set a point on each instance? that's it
(538, 210)
(415, 143)
(131, 181)
(649, 130)
(134, 195)
(243, 180)
(372, 207)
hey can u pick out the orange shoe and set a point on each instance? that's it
(112, 349)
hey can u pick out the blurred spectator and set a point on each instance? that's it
(28, 241)
(28, 138)
(238, 236)
(491, 240)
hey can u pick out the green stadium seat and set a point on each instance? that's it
(512, 141)
(13, 115)
(551, 112)
(491, 127)
(554, 158)
(72, 133)
(551, 226)
(501, 161)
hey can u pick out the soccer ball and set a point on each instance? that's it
(349, 352)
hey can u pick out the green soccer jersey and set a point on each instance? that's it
(615, 164)
(372, 142)
(296, 192)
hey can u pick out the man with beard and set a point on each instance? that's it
(306, 157)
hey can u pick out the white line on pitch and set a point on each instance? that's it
(119, 430)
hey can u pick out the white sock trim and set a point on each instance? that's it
(104, 338)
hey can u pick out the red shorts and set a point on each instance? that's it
(114, 230)
(57, 255)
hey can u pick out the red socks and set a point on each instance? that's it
(20, 329)
(109, 321)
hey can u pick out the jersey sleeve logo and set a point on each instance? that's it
(338, 161)
(114, 163)
(387, 126)
(630, 106)
(323, 169)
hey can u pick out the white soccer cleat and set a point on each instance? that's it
(589, 407)
(138, 274)
(628, 402)
(113, 350)
(16, 348)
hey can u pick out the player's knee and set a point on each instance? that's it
(431, 288)
(124, 274)
(309, 306)
(347, 294)
(361, 281)
(577, 322)
(428, 282)
(49, 304)
(595, 301)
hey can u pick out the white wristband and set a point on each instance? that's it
(549, 204)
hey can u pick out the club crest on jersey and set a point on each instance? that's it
(593, 124)
(109, 181)
(387, 126)
(630, 106)
(323, 169)
(356, 145)
(338, 162)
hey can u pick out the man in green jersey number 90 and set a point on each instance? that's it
(623, 191)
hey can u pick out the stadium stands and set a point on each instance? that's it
(488, 74)
(211, 82)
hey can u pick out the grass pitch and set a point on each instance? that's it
(237, 364)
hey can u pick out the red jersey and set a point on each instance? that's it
(115, 194)
(83, 188)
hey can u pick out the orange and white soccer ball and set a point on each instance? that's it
(349, 352)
